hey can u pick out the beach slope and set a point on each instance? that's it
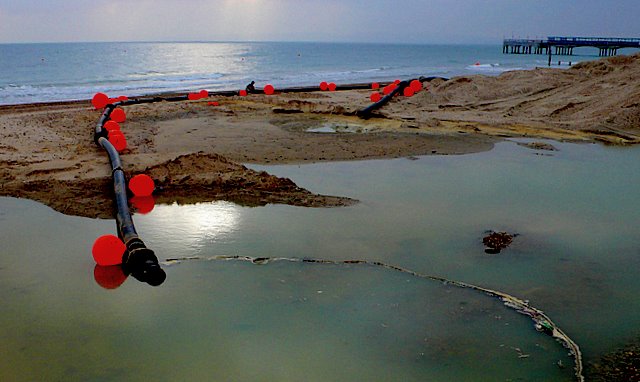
(194, 150)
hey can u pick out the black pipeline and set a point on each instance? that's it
(137, 260)
(366, 112)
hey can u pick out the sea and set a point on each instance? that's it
(45, 72)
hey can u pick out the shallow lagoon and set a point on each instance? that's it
(576, 258)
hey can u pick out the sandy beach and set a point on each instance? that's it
(195, 151)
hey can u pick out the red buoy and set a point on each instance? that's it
(324, 86)
(99, 100)
(123, 98)
(193, 96)
(242, 93)
(118, 140)
(375, 86)
(375, 97)
(408, 91)
(203, 93)
(108, 250)
(396, 82)
(416, 85)
(387, 90)
(141, 185)
(118, 115)
(332, 86)
(213, 103)
(111, 126)
(268, 89)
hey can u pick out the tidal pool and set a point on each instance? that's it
(576, 211)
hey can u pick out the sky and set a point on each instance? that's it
(389, 21)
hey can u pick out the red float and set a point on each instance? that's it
(375, 86)
(416, 85)
(213, 103)
(141, 185)
(143, 204)
(204, 94)
(123, 98)
(408, 91)
(242, 93)
(375, 97)
(108, 250)
(111, 126)
(193, 96)
(332, 87)
(118, 115)
(387, 90)
(268, 89)
(324, 86)
(109, 277)
(118, 140)
(99, 100)
(396, 82)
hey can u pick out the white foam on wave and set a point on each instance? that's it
(490, 68)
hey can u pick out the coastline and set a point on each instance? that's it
(47, 152)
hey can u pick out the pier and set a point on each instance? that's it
(565, 45)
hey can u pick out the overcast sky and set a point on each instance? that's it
(412, 21)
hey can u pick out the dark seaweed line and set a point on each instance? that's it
(540, 319)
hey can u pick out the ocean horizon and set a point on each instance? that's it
(47, 72)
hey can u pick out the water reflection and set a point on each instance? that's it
(576, 258)
(109, 277)
(193, 226)
(143, 204)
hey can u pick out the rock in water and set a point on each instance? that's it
(497, 241)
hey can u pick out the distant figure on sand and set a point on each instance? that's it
(251, 88)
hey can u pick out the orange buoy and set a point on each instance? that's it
(117, 139)
(111, 126)
(108, 250)
(416, 85)
(118, 115)
(387, 90)
(141, 185)
(268, 89)
(99, 100)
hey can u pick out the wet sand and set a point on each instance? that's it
(194, 151)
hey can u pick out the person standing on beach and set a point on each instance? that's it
(251, 88)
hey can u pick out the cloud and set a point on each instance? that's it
(426, 21)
